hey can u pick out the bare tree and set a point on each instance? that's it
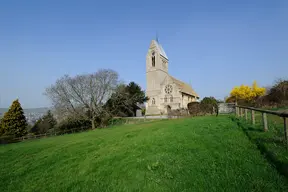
(278, 93)
(83, 95)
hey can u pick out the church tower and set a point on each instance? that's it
(156, 72)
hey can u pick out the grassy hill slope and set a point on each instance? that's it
(200, 154)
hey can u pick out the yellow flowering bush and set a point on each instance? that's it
(246, 93)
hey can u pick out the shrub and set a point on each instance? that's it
(117, 121)
(44, 124)
(73, 123)
(143, 110)
(49, 117)
(5, 139)
(194, 108)
(41, 126)
(103, 120)
(208, 105)
(246, 94)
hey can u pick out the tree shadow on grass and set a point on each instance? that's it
(250, 128)
(277, 141)
(261, 143)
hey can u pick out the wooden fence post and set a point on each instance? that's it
(285, 128)
(236, 111)
(246, 115)
(253, 117)
(264, 120)
(241, 112)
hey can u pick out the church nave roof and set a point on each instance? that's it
(185, 88)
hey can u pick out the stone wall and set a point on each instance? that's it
(226, 107)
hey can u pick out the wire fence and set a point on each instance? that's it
(53, 132)
(268, 130)
(274, 122)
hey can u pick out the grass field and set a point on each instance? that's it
(271, 143)
(199, 154)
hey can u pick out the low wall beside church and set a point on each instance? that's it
(226, 107)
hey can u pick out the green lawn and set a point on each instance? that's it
(271, 143)
(199, 154)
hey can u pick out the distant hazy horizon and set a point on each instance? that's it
(38, 109)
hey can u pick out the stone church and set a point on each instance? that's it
(165, 92)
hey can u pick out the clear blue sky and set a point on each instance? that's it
(215, 45)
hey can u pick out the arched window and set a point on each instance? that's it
(153, 61)
(171, 99)
(153, 101)
(165, 99)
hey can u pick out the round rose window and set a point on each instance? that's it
(168, 89)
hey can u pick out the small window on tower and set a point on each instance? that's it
(165, 99)
(153, 101)
(153, 59)
(171, 99)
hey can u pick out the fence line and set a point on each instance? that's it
(77, 130)
(284, 115)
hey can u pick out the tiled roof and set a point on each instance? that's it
(185, 88)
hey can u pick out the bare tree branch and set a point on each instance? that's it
(83, 95)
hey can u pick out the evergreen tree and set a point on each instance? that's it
(1, 129)
(44, 124)
(14, 121)
(40, 127)
(125, 100)
(50, 119)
